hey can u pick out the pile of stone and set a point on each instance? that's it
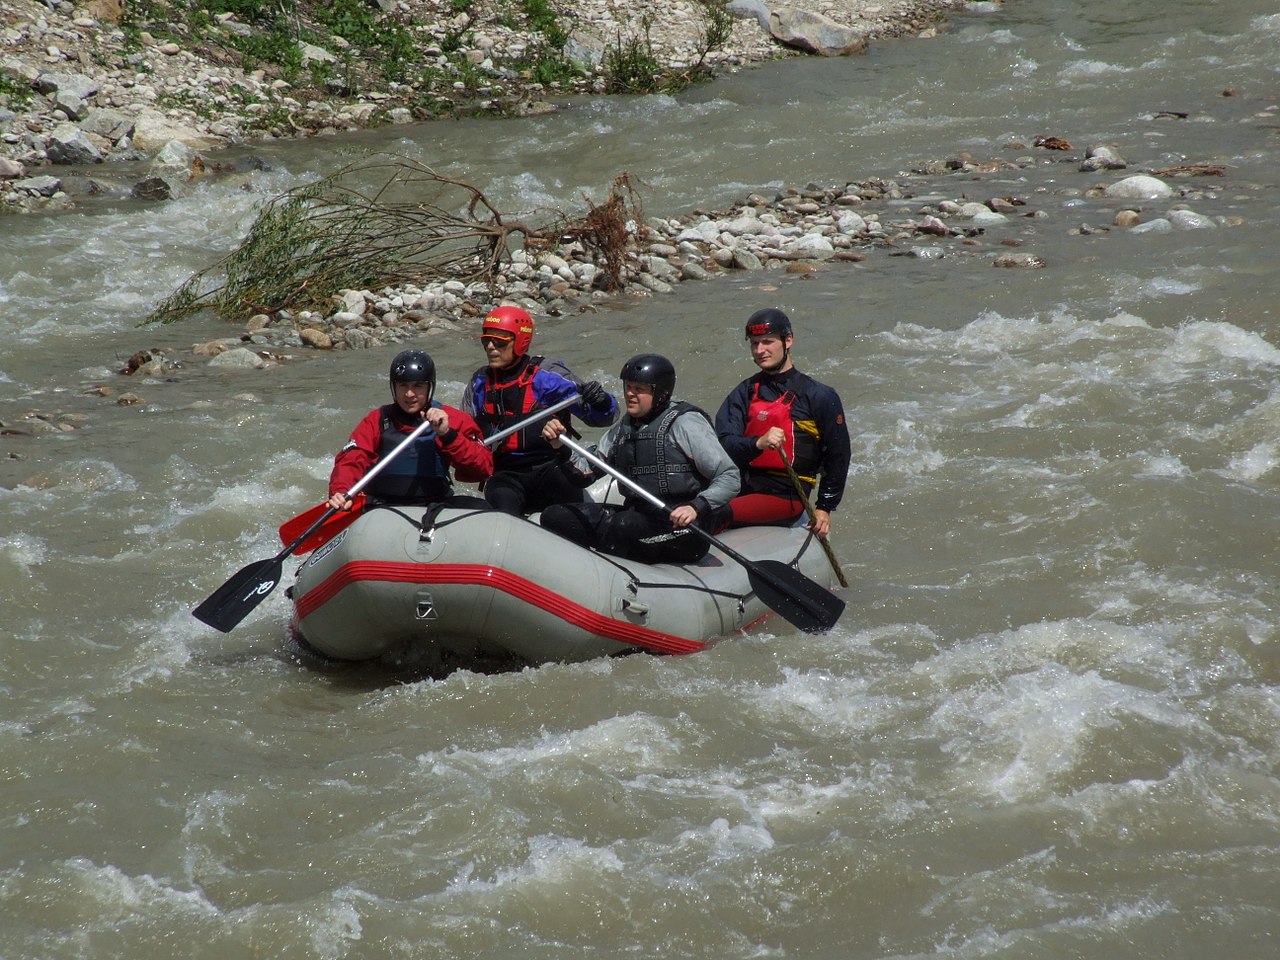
(796, 231)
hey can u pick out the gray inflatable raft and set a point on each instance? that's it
(476, 583)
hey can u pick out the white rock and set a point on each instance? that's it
(988, 218)
(850, 224)
(1140, 187)
(1190, 220)
(744, 225)
(705, 231)
(354, 301)
(812, 246)
(1159, 225)
(239, 358)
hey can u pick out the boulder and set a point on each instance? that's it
(152, 188)
(1158, 225)
(1139, 188)
(749, 10)
(312, 54)
(153, 130)
(814, 33)
(811, 246)
(111, 125)
(68, 144)
(238, 358)
(75, 84)
(174, 156)
(1190, 220)
(39, 186)
(1103, 157)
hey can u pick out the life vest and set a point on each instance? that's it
(647, 454)
(800, 443)
(509, 396)
(418, 474)
(763, 416)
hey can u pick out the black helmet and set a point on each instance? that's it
(769, 320)
(655, 370)
(413, 366)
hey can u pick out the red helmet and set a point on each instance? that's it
(512, 321)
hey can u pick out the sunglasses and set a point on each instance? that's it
(498, 342)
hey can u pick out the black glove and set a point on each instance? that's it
(595, 396)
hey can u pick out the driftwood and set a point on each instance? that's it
(1194, 169)
(387, 223)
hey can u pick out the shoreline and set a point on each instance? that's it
(81, 86)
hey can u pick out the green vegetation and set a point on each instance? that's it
(14, 92)
(545, 62)
(365, 49)
(630, 65)
(382, 223)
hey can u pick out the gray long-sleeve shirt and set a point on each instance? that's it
(695, 436)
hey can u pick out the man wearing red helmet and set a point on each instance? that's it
(510, 387)
(781, 411)
(419, 474)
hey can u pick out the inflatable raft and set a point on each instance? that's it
(474, 583)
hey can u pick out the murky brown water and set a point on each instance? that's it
(1047, 726)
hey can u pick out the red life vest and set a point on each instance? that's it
(509, 395)
(762, 415)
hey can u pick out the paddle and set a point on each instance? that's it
(235, 599)
(292, 530)
(808, 509)
(803, 603)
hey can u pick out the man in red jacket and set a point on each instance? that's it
(420, 473)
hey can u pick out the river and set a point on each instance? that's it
(1046, 726)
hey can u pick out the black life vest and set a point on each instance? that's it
(646, 453)
(419, 474)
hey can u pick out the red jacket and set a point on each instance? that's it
(464, 451)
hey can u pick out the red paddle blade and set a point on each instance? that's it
(290, 530)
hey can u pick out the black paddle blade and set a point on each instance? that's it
(804, 604)
(235, 599)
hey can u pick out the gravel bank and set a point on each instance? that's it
(81, 84)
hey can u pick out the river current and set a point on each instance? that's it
(1046, 727)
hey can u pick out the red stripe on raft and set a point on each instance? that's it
(471, 574)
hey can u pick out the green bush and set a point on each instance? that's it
(630, 66)
(14, 92)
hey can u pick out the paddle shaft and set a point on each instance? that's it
(813, 518)
(237, 597)
(534, 418)
(799, 600)
(488, 442)
(288, 528)
(630, 484)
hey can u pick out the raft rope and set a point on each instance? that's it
(635, 583)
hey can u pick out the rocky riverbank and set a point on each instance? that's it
(928, 213)
(104, 80)
(936, 209)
